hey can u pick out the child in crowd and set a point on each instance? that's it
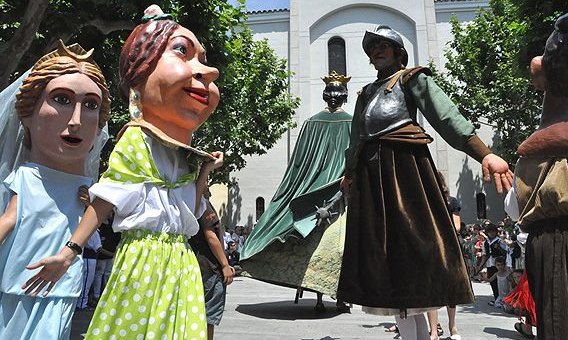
(493, 248)
(503, 279)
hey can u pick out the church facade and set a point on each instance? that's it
(318, 36)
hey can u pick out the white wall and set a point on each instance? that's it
(301, 35)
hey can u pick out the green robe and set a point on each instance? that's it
(286, 247)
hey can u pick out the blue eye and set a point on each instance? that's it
(180, 48)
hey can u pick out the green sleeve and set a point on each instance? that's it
(445, 117)
(351, 154)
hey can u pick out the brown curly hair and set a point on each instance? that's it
(141, 52)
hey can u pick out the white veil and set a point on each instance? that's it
(13, 153)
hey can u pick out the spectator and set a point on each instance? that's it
(216, 272)
(90, 253)
(109, 240)
(233, 256)
(238, 237)
(493, 247)
(502, 277)
(227, 236)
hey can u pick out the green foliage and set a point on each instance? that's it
(255, 108)
(488, 77)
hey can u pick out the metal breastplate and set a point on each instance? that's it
(385, 111)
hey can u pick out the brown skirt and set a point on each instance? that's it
(401, 248)
(547, 271)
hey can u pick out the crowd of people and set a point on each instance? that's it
(155, 193)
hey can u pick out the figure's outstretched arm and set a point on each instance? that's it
(8, 219)
(446, 119)
(53, 267)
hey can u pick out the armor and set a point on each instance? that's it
(387, 108)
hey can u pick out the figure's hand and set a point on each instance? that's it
(496, 166)
(228, 274)
(215, 164)
(53, 269)
(345, 186)
(83, 195)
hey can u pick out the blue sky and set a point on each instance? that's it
(258, 5)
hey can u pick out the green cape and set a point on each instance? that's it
(311, 177)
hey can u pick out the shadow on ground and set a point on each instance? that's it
(503, 333)
(287, 310)
(481, 306)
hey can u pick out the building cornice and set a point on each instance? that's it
(460, 6)
(268, 16)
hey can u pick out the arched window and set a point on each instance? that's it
(336, 55)
(259, 207)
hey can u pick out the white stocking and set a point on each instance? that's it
(414, 327)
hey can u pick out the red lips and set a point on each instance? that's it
(199, 94)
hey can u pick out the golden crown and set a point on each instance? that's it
(334, 77)
(74, 51)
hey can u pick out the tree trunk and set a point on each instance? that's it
(12, 51)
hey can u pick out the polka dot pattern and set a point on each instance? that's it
(130, 162)
(157, 308)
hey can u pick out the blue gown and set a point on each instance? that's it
(48, 212)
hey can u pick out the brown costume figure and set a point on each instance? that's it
(542, 190)
(402, 255)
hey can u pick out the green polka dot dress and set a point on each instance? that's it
(155, 289)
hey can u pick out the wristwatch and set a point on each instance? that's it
(75, 247)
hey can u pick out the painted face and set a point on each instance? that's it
(334, 95)
(180, 94)
(382, 55)
(64, 123)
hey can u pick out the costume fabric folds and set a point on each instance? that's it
(408, 233)
(522, 301)
(286, 247)
(155, 288)
(47, 216)
(401, 248)
(542, 193)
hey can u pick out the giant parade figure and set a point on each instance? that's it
(154, 185)
(292, 243)
(541, 191)
(51, 122)
(402, 256)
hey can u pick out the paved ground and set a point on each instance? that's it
(259, 311)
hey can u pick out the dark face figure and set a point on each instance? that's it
(334, 94)
(386, 57)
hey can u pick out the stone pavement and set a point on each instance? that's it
(260, 311)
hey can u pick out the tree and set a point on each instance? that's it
(487, 68)
(255, 106)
